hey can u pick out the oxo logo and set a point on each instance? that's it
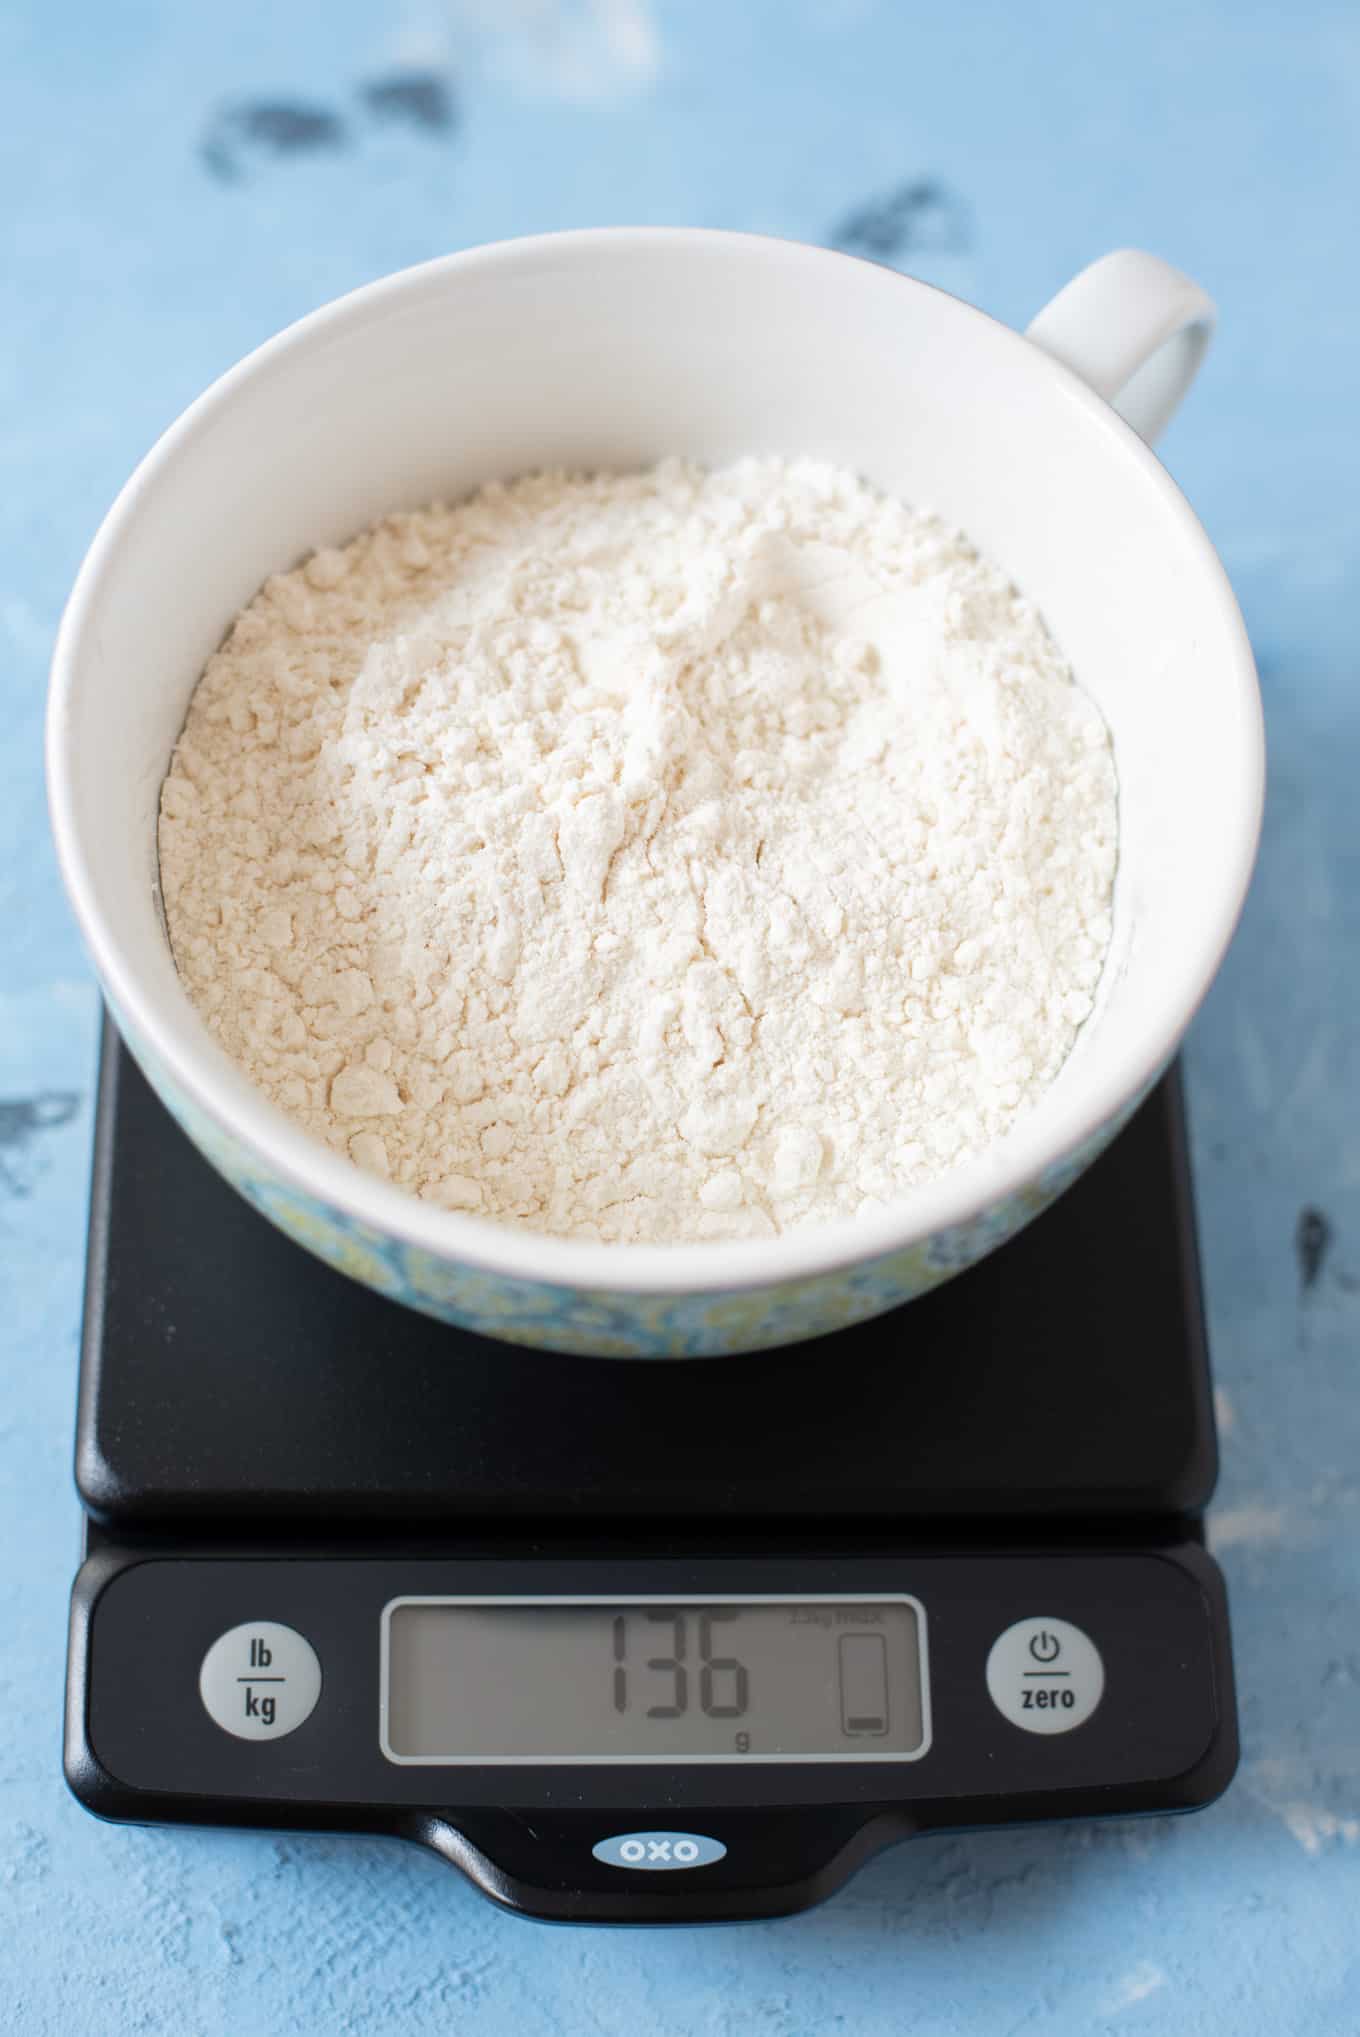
(659, 1849)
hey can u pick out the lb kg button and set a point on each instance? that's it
(1045, 1675)
(260, 1680)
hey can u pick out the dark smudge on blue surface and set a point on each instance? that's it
(268, 127)
(419, 99)
(21, 1120)
(1312, 1242)
(919, 217)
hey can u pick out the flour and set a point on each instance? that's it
(671, 856)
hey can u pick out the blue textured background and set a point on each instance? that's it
(136, 267)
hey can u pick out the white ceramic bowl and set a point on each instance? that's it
(613, 349)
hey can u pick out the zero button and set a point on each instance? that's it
(1045, 1675)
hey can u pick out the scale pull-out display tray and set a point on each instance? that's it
(741, 1837)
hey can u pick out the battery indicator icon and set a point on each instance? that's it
(864, 1685)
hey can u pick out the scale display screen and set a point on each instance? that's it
(570, 1680)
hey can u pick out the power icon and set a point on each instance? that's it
(1045, 1675)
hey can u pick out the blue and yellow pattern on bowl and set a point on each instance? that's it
(595, 1322)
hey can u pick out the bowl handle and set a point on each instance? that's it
(1135, 329)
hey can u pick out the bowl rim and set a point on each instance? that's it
(201, 1071)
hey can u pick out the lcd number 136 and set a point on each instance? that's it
(689, 1664)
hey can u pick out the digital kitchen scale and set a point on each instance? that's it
(642, 1642)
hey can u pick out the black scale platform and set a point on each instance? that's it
(232, 1384)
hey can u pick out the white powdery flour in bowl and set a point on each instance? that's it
(604, 354)
(658, 857)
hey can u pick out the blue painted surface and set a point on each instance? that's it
(1220, 136)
